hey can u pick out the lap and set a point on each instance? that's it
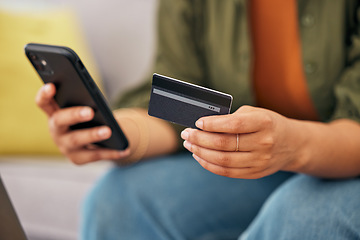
(173, 198)
(310, 208)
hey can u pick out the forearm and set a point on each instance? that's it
(148, 136)
(327, 149)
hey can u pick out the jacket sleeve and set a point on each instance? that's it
(176, 56)
(347, 90)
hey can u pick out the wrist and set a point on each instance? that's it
(138, 132)
(300, 146)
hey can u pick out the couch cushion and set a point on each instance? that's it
(23, 127)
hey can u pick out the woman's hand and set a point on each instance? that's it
(250, 143)
(75, 144)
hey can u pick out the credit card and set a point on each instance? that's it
(184, 103)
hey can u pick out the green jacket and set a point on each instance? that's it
(207, 42)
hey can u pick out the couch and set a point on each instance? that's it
(46, 189)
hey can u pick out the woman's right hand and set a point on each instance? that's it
(76, 145)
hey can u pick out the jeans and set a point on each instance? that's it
(172, 198)
(309, 208)
(175, 198)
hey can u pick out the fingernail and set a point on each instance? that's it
(185, 134)
(104, 132)
(199, 123)
(195, 157)
(187, 145)
(123, 153)
(47, 88)
(85, 112)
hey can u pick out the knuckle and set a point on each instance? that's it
(268, 141)
(196, 150)
(193, 136)
(245, 108)
(262, 162)
(267, 157)
(223, 159)
(265, 162)
(221, 142)
(267, 120)
(235, 125)
(95, 155)
(56, 119)
(72, 140)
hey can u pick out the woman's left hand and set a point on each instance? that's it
(250, 143)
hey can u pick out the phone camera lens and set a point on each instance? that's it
(43, 62)
(32, 56)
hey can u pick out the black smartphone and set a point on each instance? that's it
(75, 87)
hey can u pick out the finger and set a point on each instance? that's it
(245, 173)
(225, 159)
(86, 156)
(215, 141)
(83, 137)
(221, 141)
(62, 119)
(45, 99)
(238, 122)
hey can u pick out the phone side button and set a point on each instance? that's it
(90, 81)
(92, 84)
(87, 76)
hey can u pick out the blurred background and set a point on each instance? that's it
(116, 41)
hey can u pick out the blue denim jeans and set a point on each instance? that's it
(175, 198)
(309, 208)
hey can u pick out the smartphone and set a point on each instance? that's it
(75, 87)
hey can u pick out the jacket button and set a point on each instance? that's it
(310, 67)
(308, 20)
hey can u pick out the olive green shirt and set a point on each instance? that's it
(208, 42)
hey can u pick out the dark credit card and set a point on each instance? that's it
(184, 103)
